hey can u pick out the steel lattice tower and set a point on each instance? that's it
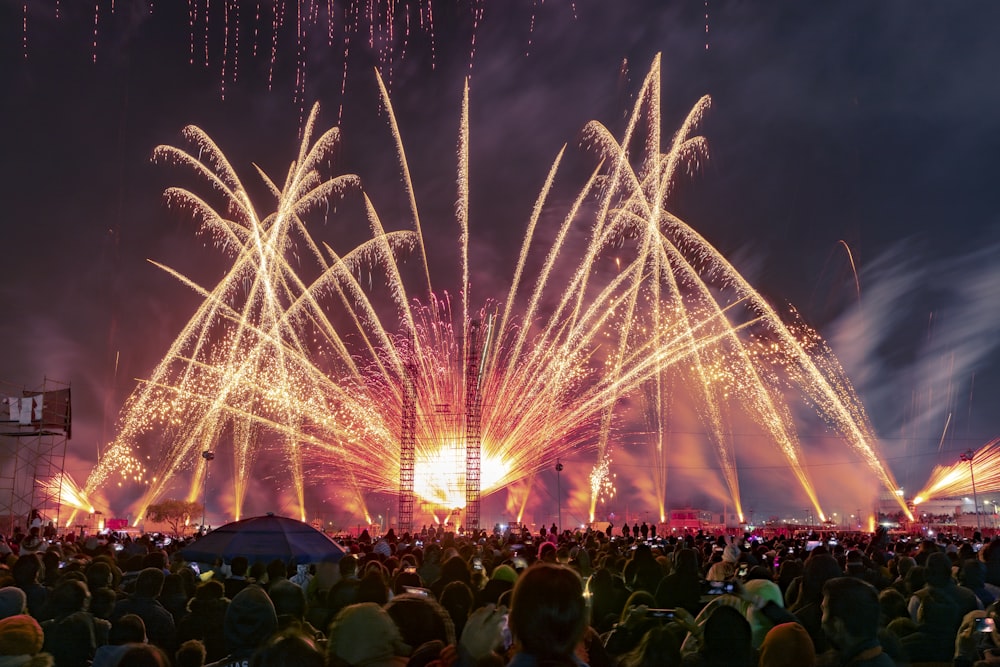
(473, 424)
(407, 445)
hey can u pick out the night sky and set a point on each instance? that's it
(868, 126)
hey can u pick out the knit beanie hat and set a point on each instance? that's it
(505, 573)
(764, 591)
(20, 635)
(731, 553)
(787, 645)
(12, 601)
(365, 634)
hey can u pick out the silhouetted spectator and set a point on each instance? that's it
(364, 635)
(25, 572)
(129, 629)
(191, 653)
(289, 649)
(160, 628)
(205, 620)
(237, 580)
(250, 621)
(290, 605)
(851, 622)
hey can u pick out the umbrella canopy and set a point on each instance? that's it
(265, 538)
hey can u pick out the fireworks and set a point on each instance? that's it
(308, 351)
(957, 479)
(69, 493)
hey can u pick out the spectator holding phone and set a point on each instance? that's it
(547, 622)
(978, 641)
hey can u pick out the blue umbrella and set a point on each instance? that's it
(265, 538)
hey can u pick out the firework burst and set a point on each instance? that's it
(292, 352)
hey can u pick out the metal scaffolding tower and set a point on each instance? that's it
(407, 446)
(35, 425)
(473, 426)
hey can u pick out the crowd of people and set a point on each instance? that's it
(548, 599)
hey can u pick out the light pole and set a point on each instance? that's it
(208, 456)
(967, 456)
(559, 469)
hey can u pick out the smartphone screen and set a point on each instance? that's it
(984, 624)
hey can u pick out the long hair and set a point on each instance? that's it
(548, 614)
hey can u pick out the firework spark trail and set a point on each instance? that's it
(955, 480)
(289, 351)
(816, 372)
(646, 194)
(70, 494)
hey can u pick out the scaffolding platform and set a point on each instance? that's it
(35, 427)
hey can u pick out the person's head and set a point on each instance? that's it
(157, 559)
(938, 569)
(850, 611)
(149, 583)
(190, 654)
(659, 647)
(239, 566)
(129, 629)
(173, 585)
(764, 590)
(276, 570)
(547, 552)
(20, 635)
(727, 637)
(348, 565)
(973, 574)
(916, 577)
(686, 562)
(893, 605)
(364, 634)
(289, 599)
(939, 612)
(25, 570)
(143, 655)
(817, 570)
(289, 649)
(210, 590)
(13, 601)
(69, 596)
(420, 619)
(404, 580)
(548, 614)
(250, 619)
(787, 645)
(457, 599)
(99, 575)
(904, 564)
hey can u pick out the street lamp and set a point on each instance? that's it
(559, 469)
(208, 456)
(967, 456)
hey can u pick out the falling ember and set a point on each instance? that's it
(291, 351)
(219, 34)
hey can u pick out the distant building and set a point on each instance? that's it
(692, 520)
